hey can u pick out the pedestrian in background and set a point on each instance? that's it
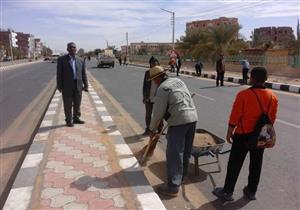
(220, 69)
(245, 70)
(71, 80)
(125, 60)
(149, 90)
(245, 113)
(120, 60)
(173, 102)
(178, 65)
(172, 64)
(198, 67)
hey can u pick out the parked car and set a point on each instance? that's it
(54, 57)
(105, 60)
(7, 58)
(47, 59)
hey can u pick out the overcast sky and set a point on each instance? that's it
(90, 23)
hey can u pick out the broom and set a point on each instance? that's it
(148, 150)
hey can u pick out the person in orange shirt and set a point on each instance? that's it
(244, 115)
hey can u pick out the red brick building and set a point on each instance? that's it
(275, 34)
(4, 40)
(205, 24)
(23, 44)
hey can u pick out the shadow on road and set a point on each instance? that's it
(225, 86)
(221, 204)
(48, 128)
(13, 148)
(159, 169)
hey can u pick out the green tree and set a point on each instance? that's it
(207, 44)
(97, 51)
(46, 51)
(80, 52)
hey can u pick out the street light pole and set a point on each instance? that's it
(11, 47)
(173, 25)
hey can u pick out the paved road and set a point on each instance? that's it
(19, 86)
(280, 184)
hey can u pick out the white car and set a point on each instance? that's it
(54, 57)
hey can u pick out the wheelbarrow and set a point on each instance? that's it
(207, 144)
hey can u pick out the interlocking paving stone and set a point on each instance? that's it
(75, 206)
(89, 159)
(62, 168)
(61, 200)
(73, 152)
(73, 174)
(53, 163)
(119, 201)
(100, 163)
(51, 192)
(109, 193)
(64, 148)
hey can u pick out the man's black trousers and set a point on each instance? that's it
(235, 163)
(72, 99)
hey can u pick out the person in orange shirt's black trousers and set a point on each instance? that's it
(245, 112)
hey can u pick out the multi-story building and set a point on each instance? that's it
(125, 50)
(5, 41)
(38, 45)
(27, 45)
(31, 51)
(155, 48)
(23, 44)
(206, 24)
(276, 34)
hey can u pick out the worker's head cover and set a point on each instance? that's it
(156, 71)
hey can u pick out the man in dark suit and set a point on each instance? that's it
(71, 80)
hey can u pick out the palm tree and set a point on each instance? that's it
(207, 44)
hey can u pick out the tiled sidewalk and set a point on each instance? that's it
(84, 167)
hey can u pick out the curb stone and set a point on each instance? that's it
(270, 85)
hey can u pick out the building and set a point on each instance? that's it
(31, 45)
(27, 45)
(38, 45)
(125, 50)
(152, 48)
(23, 45)
(278, 35)
(205, 24)
(4, 41)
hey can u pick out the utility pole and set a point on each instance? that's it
(173, 26)
(126, 43)
(10, 45)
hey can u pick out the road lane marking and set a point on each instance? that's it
(206, 97)
(287, 123)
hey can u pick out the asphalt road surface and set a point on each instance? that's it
(19, 86)
(279, 184)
